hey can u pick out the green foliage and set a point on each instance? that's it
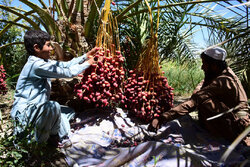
(183, 77)
(63, 20)
(10, 153)
(133, 33)
(14, 56)
(156, 159)
(91, 25)
(16, 151)
(14, 62)
(175, 34)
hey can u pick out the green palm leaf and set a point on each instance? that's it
(21, 16)
(94, 10)
(46, 17)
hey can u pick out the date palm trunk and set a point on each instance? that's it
(73, 31)
(63, 89)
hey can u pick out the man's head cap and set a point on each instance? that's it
(216, 53)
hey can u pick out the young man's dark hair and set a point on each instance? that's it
(33, 37)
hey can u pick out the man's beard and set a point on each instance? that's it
(209, 77)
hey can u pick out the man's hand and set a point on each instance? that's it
(155, 125)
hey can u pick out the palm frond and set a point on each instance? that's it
(9, 44)
(23, 16)
(51, 24)
(94, 10)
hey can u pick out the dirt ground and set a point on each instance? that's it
(6, 102)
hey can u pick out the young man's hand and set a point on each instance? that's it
(91, 60)
(100, 58)
(92, 52)
(91, 55)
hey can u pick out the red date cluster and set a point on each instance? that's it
(3, 85)
(101, 83)
(147, 99)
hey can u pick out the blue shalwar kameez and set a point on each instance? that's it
(32, 106)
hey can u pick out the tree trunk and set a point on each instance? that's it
(63, 89)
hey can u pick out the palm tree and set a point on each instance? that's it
(179, 21)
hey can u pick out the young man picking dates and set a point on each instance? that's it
(32, 107)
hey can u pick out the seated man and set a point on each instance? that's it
(220, 91)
